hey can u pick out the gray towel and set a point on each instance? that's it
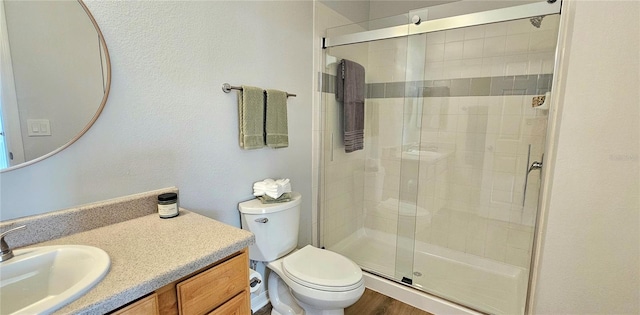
(277, 133)
(251, 117)
(350, 89)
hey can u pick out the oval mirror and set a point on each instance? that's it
(55, 78)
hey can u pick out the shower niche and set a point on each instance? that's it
(436, 199)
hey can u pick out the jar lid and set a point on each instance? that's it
(167, 197)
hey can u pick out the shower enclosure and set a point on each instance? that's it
(442, 198)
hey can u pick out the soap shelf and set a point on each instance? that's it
(541, 102)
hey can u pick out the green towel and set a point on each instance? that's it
(276, 120)
(286, 197)
(251, 117)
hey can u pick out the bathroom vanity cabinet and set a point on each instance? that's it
(190, 264)
(221, 288)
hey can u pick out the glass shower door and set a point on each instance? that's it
(362, 188)
(478, 136)
(441, 197)
(410, 155)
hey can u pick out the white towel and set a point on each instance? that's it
(272, 188)
(268, 187)
(285, 183)
(273, 193)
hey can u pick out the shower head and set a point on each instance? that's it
(536, 21)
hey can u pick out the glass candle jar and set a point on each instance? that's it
(168, 205)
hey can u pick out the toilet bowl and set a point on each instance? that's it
(322, 282)
(308, 281)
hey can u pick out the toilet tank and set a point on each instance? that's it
(275, 226)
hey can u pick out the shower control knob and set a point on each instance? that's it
(416, 20)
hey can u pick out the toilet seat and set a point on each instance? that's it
(322, 270)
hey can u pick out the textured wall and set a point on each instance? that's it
(591, 248)
(167, 122)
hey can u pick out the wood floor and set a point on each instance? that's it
(371, 303)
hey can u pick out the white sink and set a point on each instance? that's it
(40, 280)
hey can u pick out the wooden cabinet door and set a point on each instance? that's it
(239, 305)
(211, 288)
(144, 306)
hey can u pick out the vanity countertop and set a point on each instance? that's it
(148, 253)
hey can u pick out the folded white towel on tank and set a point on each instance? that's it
(272, 188)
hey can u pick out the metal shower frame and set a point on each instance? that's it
(472, 19)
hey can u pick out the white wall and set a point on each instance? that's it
(351, 11)
(167, 121)
(383, 9)
(590, 255)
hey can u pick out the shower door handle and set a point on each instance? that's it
(534, 166)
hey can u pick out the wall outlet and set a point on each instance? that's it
(38, 127)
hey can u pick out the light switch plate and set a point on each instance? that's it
(38, 127)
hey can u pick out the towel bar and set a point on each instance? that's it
(227, 88)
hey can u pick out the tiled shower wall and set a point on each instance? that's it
(464, 128)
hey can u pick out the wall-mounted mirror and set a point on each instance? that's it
(55, 78)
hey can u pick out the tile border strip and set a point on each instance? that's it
(533, 84)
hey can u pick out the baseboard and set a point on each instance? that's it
(259, 301)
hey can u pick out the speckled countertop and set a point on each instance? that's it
(148, 253)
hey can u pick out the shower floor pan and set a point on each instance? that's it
(476, 282)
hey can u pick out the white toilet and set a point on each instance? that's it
(309, 281)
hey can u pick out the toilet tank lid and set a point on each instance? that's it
(255, 206)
